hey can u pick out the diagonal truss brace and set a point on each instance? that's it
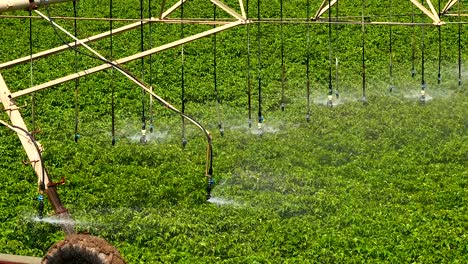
(324, 8)
(125, 60)
(218, 3)
(432, 13)
(449, 5)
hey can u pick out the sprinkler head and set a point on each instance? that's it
(330, 101)
(77, 136)
(422, 98)
(151, 128)
(221, 131)
(364, 100)
(260, 129)
(143, 139)
(184, 142)
(283, 105)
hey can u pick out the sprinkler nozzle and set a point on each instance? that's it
(364, 100)
(283, 105)
(77, 136)
(184, 142)
(40, 211)
(330, 101)
(221, 129)
(143, 139)
(260, 129)
(422, 98)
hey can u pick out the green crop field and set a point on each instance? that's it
(382, 182)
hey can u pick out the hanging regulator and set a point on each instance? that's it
(40, 211)
(40, 199)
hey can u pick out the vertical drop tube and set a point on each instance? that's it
(363, 29)
(249, 76)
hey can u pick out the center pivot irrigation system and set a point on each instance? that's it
(239, 15)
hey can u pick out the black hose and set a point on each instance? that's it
(363, 29)
(459, 47)
(249, 75)
(33, 101)
(215, 78)
(308, 61)
(142, 47)
(330, 84)
(182, 95)
(77, 80)
(150, 15)
(283, 68)
(259, 58)
(111, 27)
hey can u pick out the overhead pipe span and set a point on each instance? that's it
(9, 5)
